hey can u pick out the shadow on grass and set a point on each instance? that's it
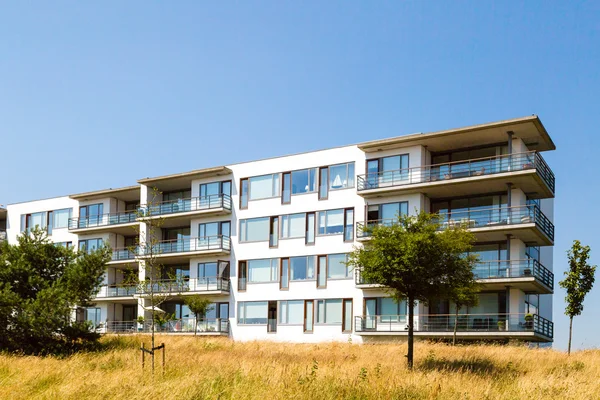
(476, 365)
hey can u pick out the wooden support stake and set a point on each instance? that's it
(163, 351)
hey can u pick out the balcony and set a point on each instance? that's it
(527, 223)
(183, 249)
(206, 327)
(3, 236)
(208, 285)
(116, 290)
(174, 212)
(118, 223)
(469, 326)
(123, 256)
(528, 275)
(527, 171)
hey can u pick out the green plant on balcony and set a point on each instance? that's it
(529, 321)
(501, 325)
(140, 321)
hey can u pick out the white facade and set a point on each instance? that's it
(509, 178)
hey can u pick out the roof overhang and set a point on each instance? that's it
(129, 193)
(3, 213)
(529, 129)
(183, 180)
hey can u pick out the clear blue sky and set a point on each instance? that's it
(100, 94)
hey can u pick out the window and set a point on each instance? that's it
(31, 221)
(308, 316)
(331, 222)
(329, 311)
(302, 268)
(387, 213)
(67, 245)
(304, 181)
(347, 316)
(264, 187)
(284, 271)
(264, 270)
(274, 232)
(254, 230)
(341, 176)
(242, 276)
(322, 272)
(177, 195)
(61, 218)
(336, 266)
(533, 252)
(387, 170)
(93, 316)
(293, 226)
(252, 312)
(207, 270)
(286, 193)
(348, 225)
(310, 228)
(243, 194)
(291, 312)
(90, 245)
(211, 194)
(323, 183)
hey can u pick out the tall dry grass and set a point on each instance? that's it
(199, 368)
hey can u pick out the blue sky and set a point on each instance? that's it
(100, 94)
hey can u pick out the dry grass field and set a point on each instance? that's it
(213, 368)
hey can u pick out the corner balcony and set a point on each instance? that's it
(469, 326)
(527, 223)
(123, 256)
(528, 275)
(175, 212)
(205, 327)
(527, 171)
(122, 223)
(184, 249)
(208, 285)
(116, 291)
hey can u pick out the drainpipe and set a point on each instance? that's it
(509, 202)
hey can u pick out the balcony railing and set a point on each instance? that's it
(479, 218)
(121, 254)
(212, 201)
(503, 269)
(500, 269)
(116, 291)
(183, 325)
(217, 242)
(493, 323)
(183, 285)
(94, 221)
(459, 169)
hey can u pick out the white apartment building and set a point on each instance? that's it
(266, 240)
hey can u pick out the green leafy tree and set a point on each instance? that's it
(415, 260)
(578, 282)
(200, 306)
(41, 284)
(464, 293)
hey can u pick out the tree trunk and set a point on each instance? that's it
(411, 314)
(455, 326)
(570, 334)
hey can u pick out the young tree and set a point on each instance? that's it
(464, 293)
(415, 260)
(200, 306)
(40, 285)
(578, 282)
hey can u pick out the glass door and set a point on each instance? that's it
(370, 321)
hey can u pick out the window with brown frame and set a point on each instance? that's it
(348, 224)
(347, 315)
(322, 272)
(242, 276)
(310, 228)
(286, 189)
(274, 232)
(284, 274)
(243, 194)
(309, 316)
(323, 183)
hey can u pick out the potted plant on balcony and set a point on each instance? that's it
(501, 325)
(529, 321)
(140, 321)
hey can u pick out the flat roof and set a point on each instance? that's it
(124, 193)
(530, 129)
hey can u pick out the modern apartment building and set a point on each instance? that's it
(266, 240)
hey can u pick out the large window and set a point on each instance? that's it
(387, 213)
(252, 312)
(341, 176)
(329, 311)
(302, 268)
(291, 312)
(264, 270)
(264, 187)
(60, 218)
(293, 226)
(336, 266)
(207, 270)
(93, 316)
(254, 230)
(331, 222)
(243, 194)
(215, 188)
(90, 245)
(304, 181)
(31, 221)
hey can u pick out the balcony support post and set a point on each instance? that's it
(508, 256)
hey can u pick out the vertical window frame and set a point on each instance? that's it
(309, 305)
(244, 204)
(346, 211)
(242, 271)
(286, 199)
(321, 270)
(324, 184)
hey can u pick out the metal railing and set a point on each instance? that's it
(186, 205)
(121, 254)
(459, 169)
(187, 285)
(465, 323)
(478, 218)
(182, 325)
(502, 269)
(116, 290)
(217, 242)
(94, 221)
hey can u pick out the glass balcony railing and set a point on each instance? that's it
(492, 323)
(182, 285)
(214, 201)
(207, 243)
(503, 269)
(94, 221)
(122, 254)
(116, 291)
(479, 218)
(182, 325)
(460, 169)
